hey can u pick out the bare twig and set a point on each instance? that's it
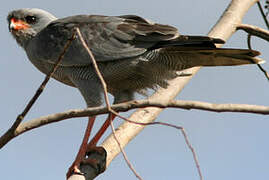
(11, 132)
(259, 66)
(266, 6)
(262, 31)
(169, 125)
(193, 153)
(95, 67)
(254, 30)
(123, 152)
(263, 14)
(187, 105)
(249, 41)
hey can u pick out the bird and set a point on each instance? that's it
(133, 54)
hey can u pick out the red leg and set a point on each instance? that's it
(101, 131)
(82, 150)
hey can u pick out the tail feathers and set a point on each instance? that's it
(191, 57)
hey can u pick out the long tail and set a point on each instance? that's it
(192, 56)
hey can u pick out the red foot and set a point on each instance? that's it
(101, 131)
(74, 169)
(96, 159)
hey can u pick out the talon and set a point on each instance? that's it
(73, 170)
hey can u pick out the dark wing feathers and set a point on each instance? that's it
(134, 18)
(189, 41)
(110, 38)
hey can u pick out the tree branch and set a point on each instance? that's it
(263, 14)
(150, 103)
(254, 30)
(250, 32)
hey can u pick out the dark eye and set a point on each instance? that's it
(30, 19)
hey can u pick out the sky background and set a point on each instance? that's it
(228, 145)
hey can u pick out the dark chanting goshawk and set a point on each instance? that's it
(132, 53)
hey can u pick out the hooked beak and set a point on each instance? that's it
(16, 25)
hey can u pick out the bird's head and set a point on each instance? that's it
(24, 24)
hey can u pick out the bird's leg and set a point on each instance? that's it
(74, 168)
(91, 154)
(101, 131)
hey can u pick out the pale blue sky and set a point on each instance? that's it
(228, 145)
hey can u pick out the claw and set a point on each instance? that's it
(96, 158)
(73, 170)
(92, 166)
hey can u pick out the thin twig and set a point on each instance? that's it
(267, 24)
(183, 104)
(193, 153)
(106, 100)
(123, 152)
(95, 67)
(254, 31)
(259, 66)
(20, 117)
(267, 7)
(263, 14)
(169, 125)
(249, 41)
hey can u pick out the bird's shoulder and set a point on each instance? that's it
(109, 37)
(131, 28)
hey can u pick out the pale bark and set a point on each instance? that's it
(254, 30)
(182, 104)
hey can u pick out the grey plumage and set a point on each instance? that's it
(132, 53)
